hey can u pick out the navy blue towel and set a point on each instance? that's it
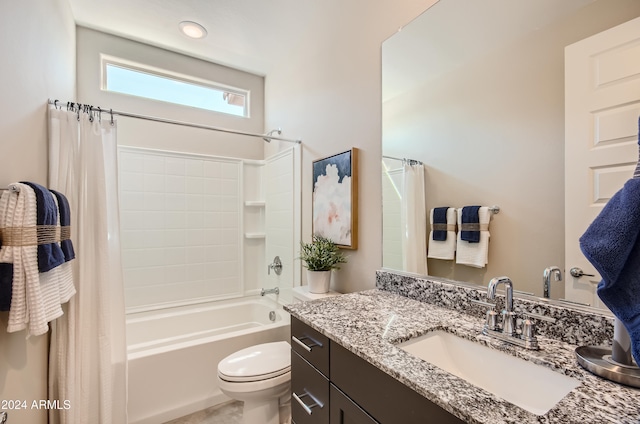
(470, 232)
(65, 223)
(440, 223)
(6, 286)
(50, 255)
(612, 245)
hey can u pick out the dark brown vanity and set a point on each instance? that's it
(332, 385)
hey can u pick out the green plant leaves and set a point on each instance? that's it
(321, 254)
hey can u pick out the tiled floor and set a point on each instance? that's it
(229, 413)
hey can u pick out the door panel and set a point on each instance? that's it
(602, 105)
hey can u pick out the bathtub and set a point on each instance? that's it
(174, 353)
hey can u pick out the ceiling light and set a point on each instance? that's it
(192, 29)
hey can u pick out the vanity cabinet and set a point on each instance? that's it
(331, 385)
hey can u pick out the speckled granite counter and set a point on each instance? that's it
(371, 323)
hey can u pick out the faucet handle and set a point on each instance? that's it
(492, 320)
(528, 330)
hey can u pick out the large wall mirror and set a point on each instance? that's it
(475, 91)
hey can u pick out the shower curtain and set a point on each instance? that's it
(87, 357)
(414, 216)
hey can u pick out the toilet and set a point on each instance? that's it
(259, 376)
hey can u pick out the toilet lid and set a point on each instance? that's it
(259, 362)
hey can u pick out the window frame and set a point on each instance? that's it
(106, 60)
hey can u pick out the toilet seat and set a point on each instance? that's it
(256, 363)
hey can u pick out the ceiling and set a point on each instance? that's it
(249, 35)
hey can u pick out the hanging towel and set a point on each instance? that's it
(6, 263)
(445, 249)
(475, 254)
(439, 223)
(6, 279)
(470, 228)
(65, 226)
(18, 217)
(612, 245)
(62, 276)
(50, 254)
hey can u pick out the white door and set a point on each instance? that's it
(602, 105)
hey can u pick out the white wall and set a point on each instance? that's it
(38, 50)
(327, 93)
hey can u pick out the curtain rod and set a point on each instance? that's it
(411, 161)
(266, 137)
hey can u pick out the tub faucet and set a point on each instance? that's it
(508, 317)
(274, 290)
(276, 265)
(546, 279)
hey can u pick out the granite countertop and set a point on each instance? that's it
(371, 323)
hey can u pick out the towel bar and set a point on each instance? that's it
(15, 189)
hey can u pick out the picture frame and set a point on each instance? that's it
(335, 198)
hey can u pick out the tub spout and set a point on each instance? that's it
(274, 290)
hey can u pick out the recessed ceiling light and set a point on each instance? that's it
(192, 29)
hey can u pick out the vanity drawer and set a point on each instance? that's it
(310, 344)
(309, 393)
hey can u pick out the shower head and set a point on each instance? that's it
(267, 138)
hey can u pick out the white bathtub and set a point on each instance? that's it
(174, 353)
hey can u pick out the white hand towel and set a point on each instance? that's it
(475, 254)
(445, 249)
(19, 214)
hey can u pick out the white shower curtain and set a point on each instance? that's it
(413, 216)
(87, 360)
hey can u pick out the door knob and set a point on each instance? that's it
(577, 273)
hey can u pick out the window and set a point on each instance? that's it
(151, 83)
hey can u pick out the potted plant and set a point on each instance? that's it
(320, 257)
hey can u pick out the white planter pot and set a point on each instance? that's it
(318, 281)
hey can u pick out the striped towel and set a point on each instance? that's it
(18, 220)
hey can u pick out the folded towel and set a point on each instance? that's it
(469, 228)
(439, 223)
(612, 245)
(65, 226)
(50, 254)
(475, 254)
(445, 249)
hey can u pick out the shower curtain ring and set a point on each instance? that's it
(99, 115)
(111, 112)
(55, 103)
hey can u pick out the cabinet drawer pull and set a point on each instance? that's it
(305, 346)
(306, 407)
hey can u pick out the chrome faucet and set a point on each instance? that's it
(508, 317)
(274, 290)
(506, 331)
(546, 279)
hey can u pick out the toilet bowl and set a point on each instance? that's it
(259, 376)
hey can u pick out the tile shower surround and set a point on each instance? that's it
(180, 225)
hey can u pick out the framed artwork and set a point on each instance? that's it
(335, 198)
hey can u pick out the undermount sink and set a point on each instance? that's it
(532, 387)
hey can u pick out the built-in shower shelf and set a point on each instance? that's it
(255, 203)
(255, 235)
